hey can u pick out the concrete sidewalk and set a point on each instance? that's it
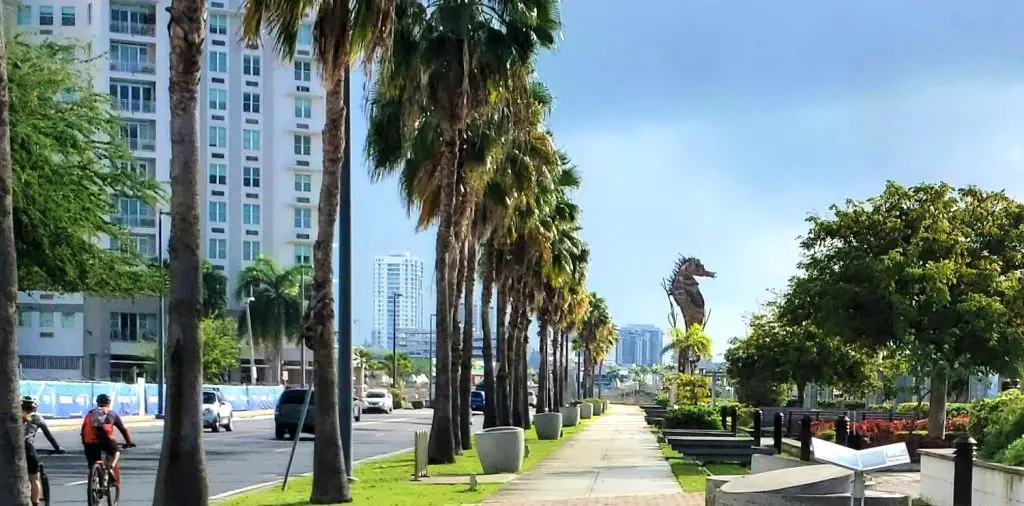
(614, 460)
(65, 424)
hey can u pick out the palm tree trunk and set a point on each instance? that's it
(182, 457)
(442, 444)
(502, 394)
(490, 390)
(542, 371)
(515, 373)
(456, 341)
(330, 478)
(555, 348)
(13, 473)
(524, 347)
(466, 418)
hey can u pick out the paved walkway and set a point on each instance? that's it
(614, 461)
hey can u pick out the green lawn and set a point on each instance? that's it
(693, 476)
(387, 482)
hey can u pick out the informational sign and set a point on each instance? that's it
(871, 459)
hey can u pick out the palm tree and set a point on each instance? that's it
(276, 308)
(690, 347)
(597, 336)
(214, 290)
(14, 476)
(182, 458)
(427, 94)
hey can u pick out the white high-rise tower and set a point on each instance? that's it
(396, 274)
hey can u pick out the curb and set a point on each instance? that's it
(250, 488)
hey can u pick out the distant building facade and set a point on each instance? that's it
(397, 296)
(639, 345)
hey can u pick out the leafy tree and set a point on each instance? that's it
(934, 271)
(404, 363)
(690, 388)
(220, 348)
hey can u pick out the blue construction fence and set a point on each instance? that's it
(60, 399)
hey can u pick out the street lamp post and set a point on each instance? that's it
(252, 347)
(162, 340)
(430, 366)
(394, 339)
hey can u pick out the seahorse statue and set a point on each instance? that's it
(685, 290)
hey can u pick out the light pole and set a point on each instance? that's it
(394, 339)
(430, 366)
(163, 318)
(252, 348)
(344, 311)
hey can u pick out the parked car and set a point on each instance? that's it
(476, 400)
(378, 399)
(532, 398)
(289, 410)
(217, 412)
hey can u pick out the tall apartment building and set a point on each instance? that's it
(402, 274)
(260, 123)
(639, 345)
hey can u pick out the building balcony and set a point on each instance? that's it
(133, 67)
(128, 105)
(133, 28)
(134, 220)
(137, 144)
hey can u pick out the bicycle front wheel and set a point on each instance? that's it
(44, 489)
(94, 485)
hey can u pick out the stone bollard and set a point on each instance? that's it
(724, 413)
(777, 432)
(805, 438)
(758, 415)
(842, 430)
(733, 413)
(963, 471)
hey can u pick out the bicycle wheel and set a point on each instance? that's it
(44, 488)
(113, 490)
(94, 485)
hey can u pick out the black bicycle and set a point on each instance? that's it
(101, 483)
(44, 480)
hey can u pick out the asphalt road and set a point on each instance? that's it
(248, 456)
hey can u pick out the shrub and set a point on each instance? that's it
(827, 435)
(1007, 426)
(983, 412)
(693, 417)
(661, 400)
(910, 407)
(854, 405)
(956, 409)
(397, 398)
(690, 388)
(1013, 455)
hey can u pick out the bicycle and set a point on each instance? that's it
(44, 480)
(101, 483)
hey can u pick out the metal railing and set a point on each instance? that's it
(134, 67)
(138, 144)
(133, 28)
(130, 105)
(134, 220)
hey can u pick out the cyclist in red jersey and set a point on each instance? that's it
(98, 434)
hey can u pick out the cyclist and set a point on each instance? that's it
(33, 424)
(98, 435)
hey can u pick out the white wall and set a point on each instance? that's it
(993, 483)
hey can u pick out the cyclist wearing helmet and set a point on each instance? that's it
(98, 434)
(33, 424)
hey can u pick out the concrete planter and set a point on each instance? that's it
(606, 406)
(501, 449)
(548, 425)
(570, 416)
(586, 411)
(598, 408)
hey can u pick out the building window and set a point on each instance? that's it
(133, 326)
(218, 173)
(218, 249)
(303, 217)
(302, 144)
(303, 254)
(218, 99)
(218, 137)
(144, 244)
(218, 61)
(303, 183)
(305, 34)
(251, 177)
(46, 320)
(251, 64)
(24, 318)
(250, 214)
(251, 139)
(303, 108)
(67, 15)
(250, 250)
(218, 24)
(251, 102)
(67, 320)
(46, 15)
(218, 211)
(140, 135)
(133, 213)
(303, 71)
(24, 15)
(133, 96)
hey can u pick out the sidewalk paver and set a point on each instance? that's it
(614, 460)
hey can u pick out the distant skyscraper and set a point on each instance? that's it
(639, 345)
(402, 274)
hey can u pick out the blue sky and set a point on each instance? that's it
(713, 128)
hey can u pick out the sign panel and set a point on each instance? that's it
(864, 460)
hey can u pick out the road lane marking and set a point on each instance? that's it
(243, 490)
(83, 482)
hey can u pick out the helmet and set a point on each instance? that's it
(28, 403)
(102, 400)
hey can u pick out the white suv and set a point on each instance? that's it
(378, 399)
(217, 412)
